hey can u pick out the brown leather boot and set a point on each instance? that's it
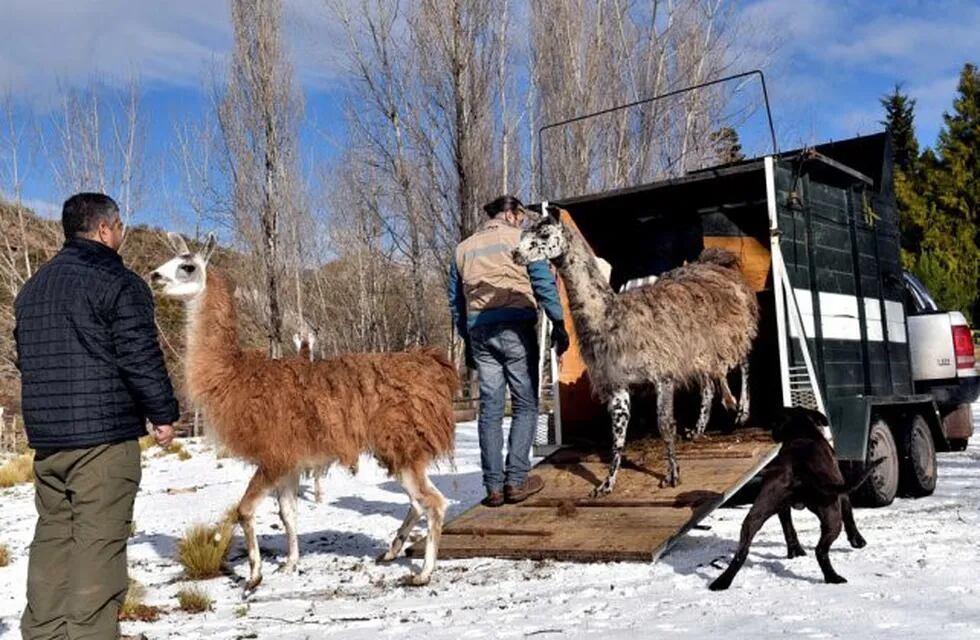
(493, 499)
(521, 492)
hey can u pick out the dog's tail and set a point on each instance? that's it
(864, 476)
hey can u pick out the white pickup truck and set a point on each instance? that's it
(942, 359)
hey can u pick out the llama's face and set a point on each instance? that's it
(184, 276)
(543, 240)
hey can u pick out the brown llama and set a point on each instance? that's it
(692, 326)
(288, 415)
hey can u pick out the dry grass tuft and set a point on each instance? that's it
(4, 555)
(194, 600)
(133, 608)
(204, 547)
(18, 470)
(176, 448)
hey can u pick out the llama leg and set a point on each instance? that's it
(707, 395)
(743, 400)
(317, 489)
(619, 412)
(288, 491)
(668, 431)
(727, 397)
(412, 517)
(433, 504)
(257, 488)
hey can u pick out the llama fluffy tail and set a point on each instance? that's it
(720, 257)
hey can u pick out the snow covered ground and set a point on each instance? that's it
(916, 579)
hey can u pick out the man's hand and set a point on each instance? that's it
(163, 434)
(559, 339)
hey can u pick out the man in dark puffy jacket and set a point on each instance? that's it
(92, 375)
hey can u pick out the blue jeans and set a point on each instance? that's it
(506, 355)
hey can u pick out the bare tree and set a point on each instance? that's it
(632, 50)
(18, 155)
(100, 144)
(195, 150)
(258, 117)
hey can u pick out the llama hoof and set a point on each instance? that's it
(252, 584)
(795, 552)
(602, 490)
(288, 568)
(385, 557)
(416, 580)
(858, 542)
(835, 579)
(672, 480)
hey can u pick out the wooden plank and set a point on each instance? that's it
(638, 522)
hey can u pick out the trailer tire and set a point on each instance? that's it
(918, 449)
(880, 488)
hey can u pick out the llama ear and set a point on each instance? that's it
(209, 246)
(177, 243)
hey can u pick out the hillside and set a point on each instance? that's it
(144, 249)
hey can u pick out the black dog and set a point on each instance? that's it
(805, 473)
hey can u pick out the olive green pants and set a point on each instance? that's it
(77, 577)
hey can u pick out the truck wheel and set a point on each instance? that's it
(918, 477)
(881, 486)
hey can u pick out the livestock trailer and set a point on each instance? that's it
(817, 237)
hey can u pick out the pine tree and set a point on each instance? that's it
(727, 146)
(900, 120)
(949, 186)
(908, 173)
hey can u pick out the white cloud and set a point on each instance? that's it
(835, 59)
(50, 43)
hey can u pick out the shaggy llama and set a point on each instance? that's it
(692, 326)
(288, 415)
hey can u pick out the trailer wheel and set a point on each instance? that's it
(881, 486)
(918, 477)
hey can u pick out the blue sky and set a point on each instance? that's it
(830, 63)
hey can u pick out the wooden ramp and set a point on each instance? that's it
(639, 521)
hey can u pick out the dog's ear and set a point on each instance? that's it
(818, 419)
(782, 419)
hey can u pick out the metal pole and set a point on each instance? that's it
(552, 125)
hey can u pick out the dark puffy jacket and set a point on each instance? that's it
(91, 367)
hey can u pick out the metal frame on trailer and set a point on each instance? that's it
(796, 384)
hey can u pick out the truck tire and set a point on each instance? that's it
(880, 488)
(918, 468)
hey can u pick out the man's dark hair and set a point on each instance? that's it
(83, 212)
(503, 204)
